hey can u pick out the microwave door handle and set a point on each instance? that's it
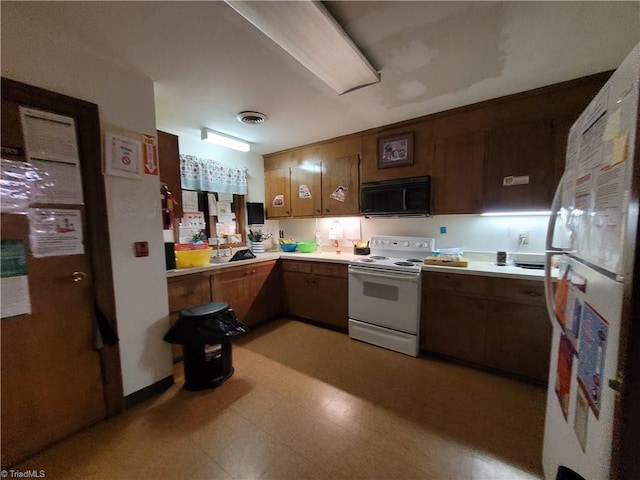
(404, 199)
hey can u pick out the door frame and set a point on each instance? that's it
(97, 243)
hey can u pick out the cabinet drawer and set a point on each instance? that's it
(456, 283)
(521, 291)
(296, 266)
(189, 292)
(330, 269)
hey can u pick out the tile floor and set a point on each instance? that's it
(309, 403)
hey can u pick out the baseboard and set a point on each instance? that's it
(148, 392)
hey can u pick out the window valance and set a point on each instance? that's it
(211, 176)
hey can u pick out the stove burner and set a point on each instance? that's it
(404, 264)
(377, 257)
(414, 260)
(367, 260)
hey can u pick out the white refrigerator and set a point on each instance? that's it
(591, 237)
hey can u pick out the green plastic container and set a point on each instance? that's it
(307, 247)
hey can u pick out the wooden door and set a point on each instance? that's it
(277, 187)
(340, 186)
(523, 153)
(306, 190)
(457, 179)
(52, 380)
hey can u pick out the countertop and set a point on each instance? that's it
(475, 267)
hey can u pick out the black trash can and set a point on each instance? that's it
(205, 332)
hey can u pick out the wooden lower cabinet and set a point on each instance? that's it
(494, 322)
(185, 292)
(454, 326)
(253, 291)
(316, 291)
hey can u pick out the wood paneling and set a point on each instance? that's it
(169, 162)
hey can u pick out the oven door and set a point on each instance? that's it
(385, 298)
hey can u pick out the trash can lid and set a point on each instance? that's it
(204, 309)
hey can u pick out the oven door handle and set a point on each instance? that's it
(406, 277)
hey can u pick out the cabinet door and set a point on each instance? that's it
(331, 301)
(300, 296)
(231, 287)
(277, 187)
(262, 294)
(524, 150)
(457, 179)
(453, 325)
(169, 163)
(518, 339)
(187, 292)
(306, 192)
(340, 187)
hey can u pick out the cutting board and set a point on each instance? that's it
(460, 262)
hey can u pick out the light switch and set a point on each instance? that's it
(142, 249)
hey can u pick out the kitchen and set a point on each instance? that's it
(127, 100)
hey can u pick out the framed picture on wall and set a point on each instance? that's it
(395, 151)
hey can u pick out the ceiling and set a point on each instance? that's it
(208, 63)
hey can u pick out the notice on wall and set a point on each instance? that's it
(225, 197)
(55, 232)
(48, 136)
(189, 201)
(150, 154)
(593, 348)
(122, 156)
(213, 204)
(14, 282)
(52, 148)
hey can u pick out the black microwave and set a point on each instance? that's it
(406, 196)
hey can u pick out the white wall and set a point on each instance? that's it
(125, 99)
(473, 232)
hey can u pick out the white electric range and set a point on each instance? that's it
(384, 292)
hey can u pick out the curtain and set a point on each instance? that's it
(211, 176)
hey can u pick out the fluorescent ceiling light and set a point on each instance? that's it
(308, 32)
(509, 214)
(225, 140)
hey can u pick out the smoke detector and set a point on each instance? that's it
(252, 118)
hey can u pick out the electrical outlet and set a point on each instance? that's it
(523, 238)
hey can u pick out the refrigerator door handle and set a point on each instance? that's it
(551, 251)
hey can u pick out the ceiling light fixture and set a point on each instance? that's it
(308, 32)
(225, 140)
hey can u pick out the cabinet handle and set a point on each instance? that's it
(253, 271)
(318, 211)
(327, 210)
(533, 294)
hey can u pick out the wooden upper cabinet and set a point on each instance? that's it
(458, 172)
(306, 190)
(422, 152)
(277, 188)
(169, 161)
(341, 186)
(520, 166)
